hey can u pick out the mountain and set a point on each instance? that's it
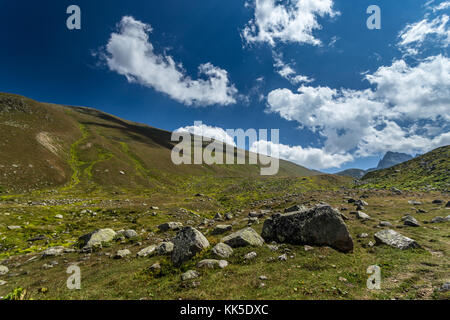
(392, 158)
(429, 171)
(47, 145)
(354, 173)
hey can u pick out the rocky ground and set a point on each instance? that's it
(310, 245)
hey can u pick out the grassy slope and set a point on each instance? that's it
(429, 172)
(85, 149)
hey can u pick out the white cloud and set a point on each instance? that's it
(131, 54)
(288, 21)
(312, 158)
(442, 6)
(367, 122)
(287, 72)
(204, 130)
(414, 35)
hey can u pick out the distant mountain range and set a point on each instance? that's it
(390, 159)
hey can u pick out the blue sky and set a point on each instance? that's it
(340, 94)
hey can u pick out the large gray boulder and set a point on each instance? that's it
(187, 243)
(243, 238)
(96, 238)
(395, 240)
(320, 226)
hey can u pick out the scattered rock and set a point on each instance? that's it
(321, 226)
(250, 256)
(228, 216)
(410, 221)
(437, 201)
(122, 254)
(263, 278)
(440, 219)
(14, 227)
(53, 252)
(308, 248)
(3, 270)
(385, 224)
(415, 203)
(155, 267)
(243, 238)
(221, 228)
(362, 216)
(187, 243)
(295, 208)
(170, 226)
(283, 257)
(211, 264)
(218, 217)
(165, 248)
(363, 235)
(147, 251)
(190, 275)
(222, 250)
(129, 234)
(2, 283)
(395, 239)
(96, 238)
(59, 216)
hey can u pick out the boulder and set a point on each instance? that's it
(243, 238)
(395, 240)
(212, 264)
(170, 226)
(320, 226)
(222, 250)
(96, 238)
(221, 228)
(187, 243)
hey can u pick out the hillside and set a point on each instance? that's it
(354, 173)
(427, 172)
(48, 146)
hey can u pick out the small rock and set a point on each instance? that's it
(438, 201)
(363, 235)
(385, 224)
(2, 283)
(308, 248)
(147, 251)
(221, 228)
(222, 250)
(250, 256)
(59, 216)
(170, 226)
(3, 270)
(211, 264)
(122, 254)
(155, 267)
(14, 227)
(164, 248)
(440, 219)
(283, 257)
(53, 252)
(189, 275)
(295, 208)
(263, 278)
(410, 221)
(362, 216)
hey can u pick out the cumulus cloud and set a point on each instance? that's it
(313, 158)
(287, 21)
(130, 53)
(204, 130)
(369, 121)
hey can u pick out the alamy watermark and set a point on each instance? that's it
(197, 149)
(374, 21)
(374, 280)
(74, 281)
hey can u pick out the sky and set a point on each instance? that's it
(341, 94)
